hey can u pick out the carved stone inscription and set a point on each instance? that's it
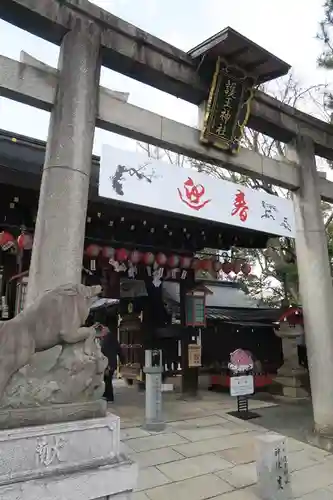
(48, 450)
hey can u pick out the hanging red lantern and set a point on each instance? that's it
(122, 255)
(237, 266)
(25, 241)
(161, 259)
(246, 269)
(7, 240)
(217, 266)
(93, 250)
(108, 252)
(135, 257)
(227, 267)
(173, 261)
(149, 258)
(185, 262)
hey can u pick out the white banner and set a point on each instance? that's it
(133, 178)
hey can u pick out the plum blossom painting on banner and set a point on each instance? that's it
(133, 178)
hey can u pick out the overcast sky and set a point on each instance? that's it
(287, 28)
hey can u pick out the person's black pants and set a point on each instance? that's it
(302, 356)
(108, 381)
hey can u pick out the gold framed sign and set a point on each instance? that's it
(228, 107)
(194, 356)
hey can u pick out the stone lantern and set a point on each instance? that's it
(291, 375)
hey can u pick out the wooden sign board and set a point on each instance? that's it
(194, 356)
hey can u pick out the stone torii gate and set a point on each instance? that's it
(90, 37)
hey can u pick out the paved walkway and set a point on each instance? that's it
(204, 453)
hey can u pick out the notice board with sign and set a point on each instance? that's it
(194, 356)
(195, 309)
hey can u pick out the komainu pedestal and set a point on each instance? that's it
(51, 388)
(69, 461)
(291, 374)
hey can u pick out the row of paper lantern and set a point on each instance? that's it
(24, 241)
(160, 259)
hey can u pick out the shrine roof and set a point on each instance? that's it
(228, 303)
(238, 50)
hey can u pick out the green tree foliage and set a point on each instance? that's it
(325, 34)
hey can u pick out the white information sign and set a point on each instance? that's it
(133, 178)
(242, 385)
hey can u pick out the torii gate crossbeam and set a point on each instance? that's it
(36, 85)
(139, 55)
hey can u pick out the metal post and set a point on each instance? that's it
(60, 226)
(153, 371)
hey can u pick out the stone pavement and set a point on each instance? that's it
(204, 453)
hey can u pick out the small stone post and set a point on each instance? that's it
(153, 410)
(272, 468)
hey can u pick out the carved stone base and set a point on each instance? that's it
(291, 385)
(291, 375)
(325, 442)
(76, 460)
(21, 417)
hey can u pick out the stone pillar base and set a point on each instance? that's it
(291, 386)
(320, 441)
(294, 392)
(73, 461)
(12, 418)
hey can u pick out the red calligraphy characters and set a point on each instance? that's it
(192, 195)
(241, 207)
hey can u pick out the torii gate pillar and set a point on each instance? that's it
(60, 226)
(315, 283)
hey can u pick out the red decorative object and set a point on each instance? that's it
(149, 258)
(108, 252)
(185, 262)
(246, 269)
(259, 380)
(206, 264)
(217, 266)
(161, 259)
(25, 241)
(237, 266)
(192, 195)
(240, 359)
(135, 257)
(294, 316)
(7, 240)
(173, 261)
(241, 207)
(227, 267)
(122, 255)
(93, 250)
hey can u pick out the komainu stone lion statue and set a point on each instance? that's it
(47, 340)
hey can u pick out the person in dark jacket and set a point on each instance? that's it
(111, 350)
